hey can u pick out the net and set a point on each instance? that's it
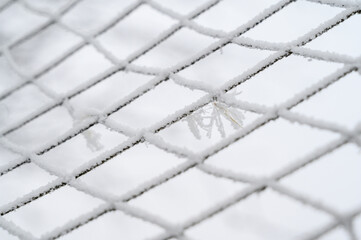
(183, 90)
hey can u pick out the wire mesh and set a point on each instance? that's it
(219, 95)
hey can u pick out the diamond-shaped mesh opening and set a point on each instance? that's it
(48, 45)
(22, 103)
(337, 172)
(223, 65)
(17, 27)
(290, 23)
(153, 119)
(135, 32)
(284, 79)
(22, 181)
(258, 212)
(121, 175)
(155, 105)
(80, 149)
(171, 52)
(234, 13)
(116, 225)
(43, 209)
(289, 143)
(8, 78)
(326, 105)
(186, 200)
(342, 39)
(81, 16)
(83, 65)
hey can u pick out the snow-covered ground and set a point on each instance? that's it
(180, 119)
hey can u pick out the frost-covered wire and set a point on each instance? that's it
(192, 113)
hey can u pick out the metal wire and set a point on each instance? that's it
(268, 114)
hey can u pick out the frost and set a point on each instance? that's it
(79, 114)
(206, 117)
(93, 140)
(212, 114)
(192, 124)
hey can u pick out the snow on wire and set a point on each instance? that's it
(221, 108)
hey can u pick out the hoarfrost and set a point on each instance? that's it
(211, 115)
(79, 114)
